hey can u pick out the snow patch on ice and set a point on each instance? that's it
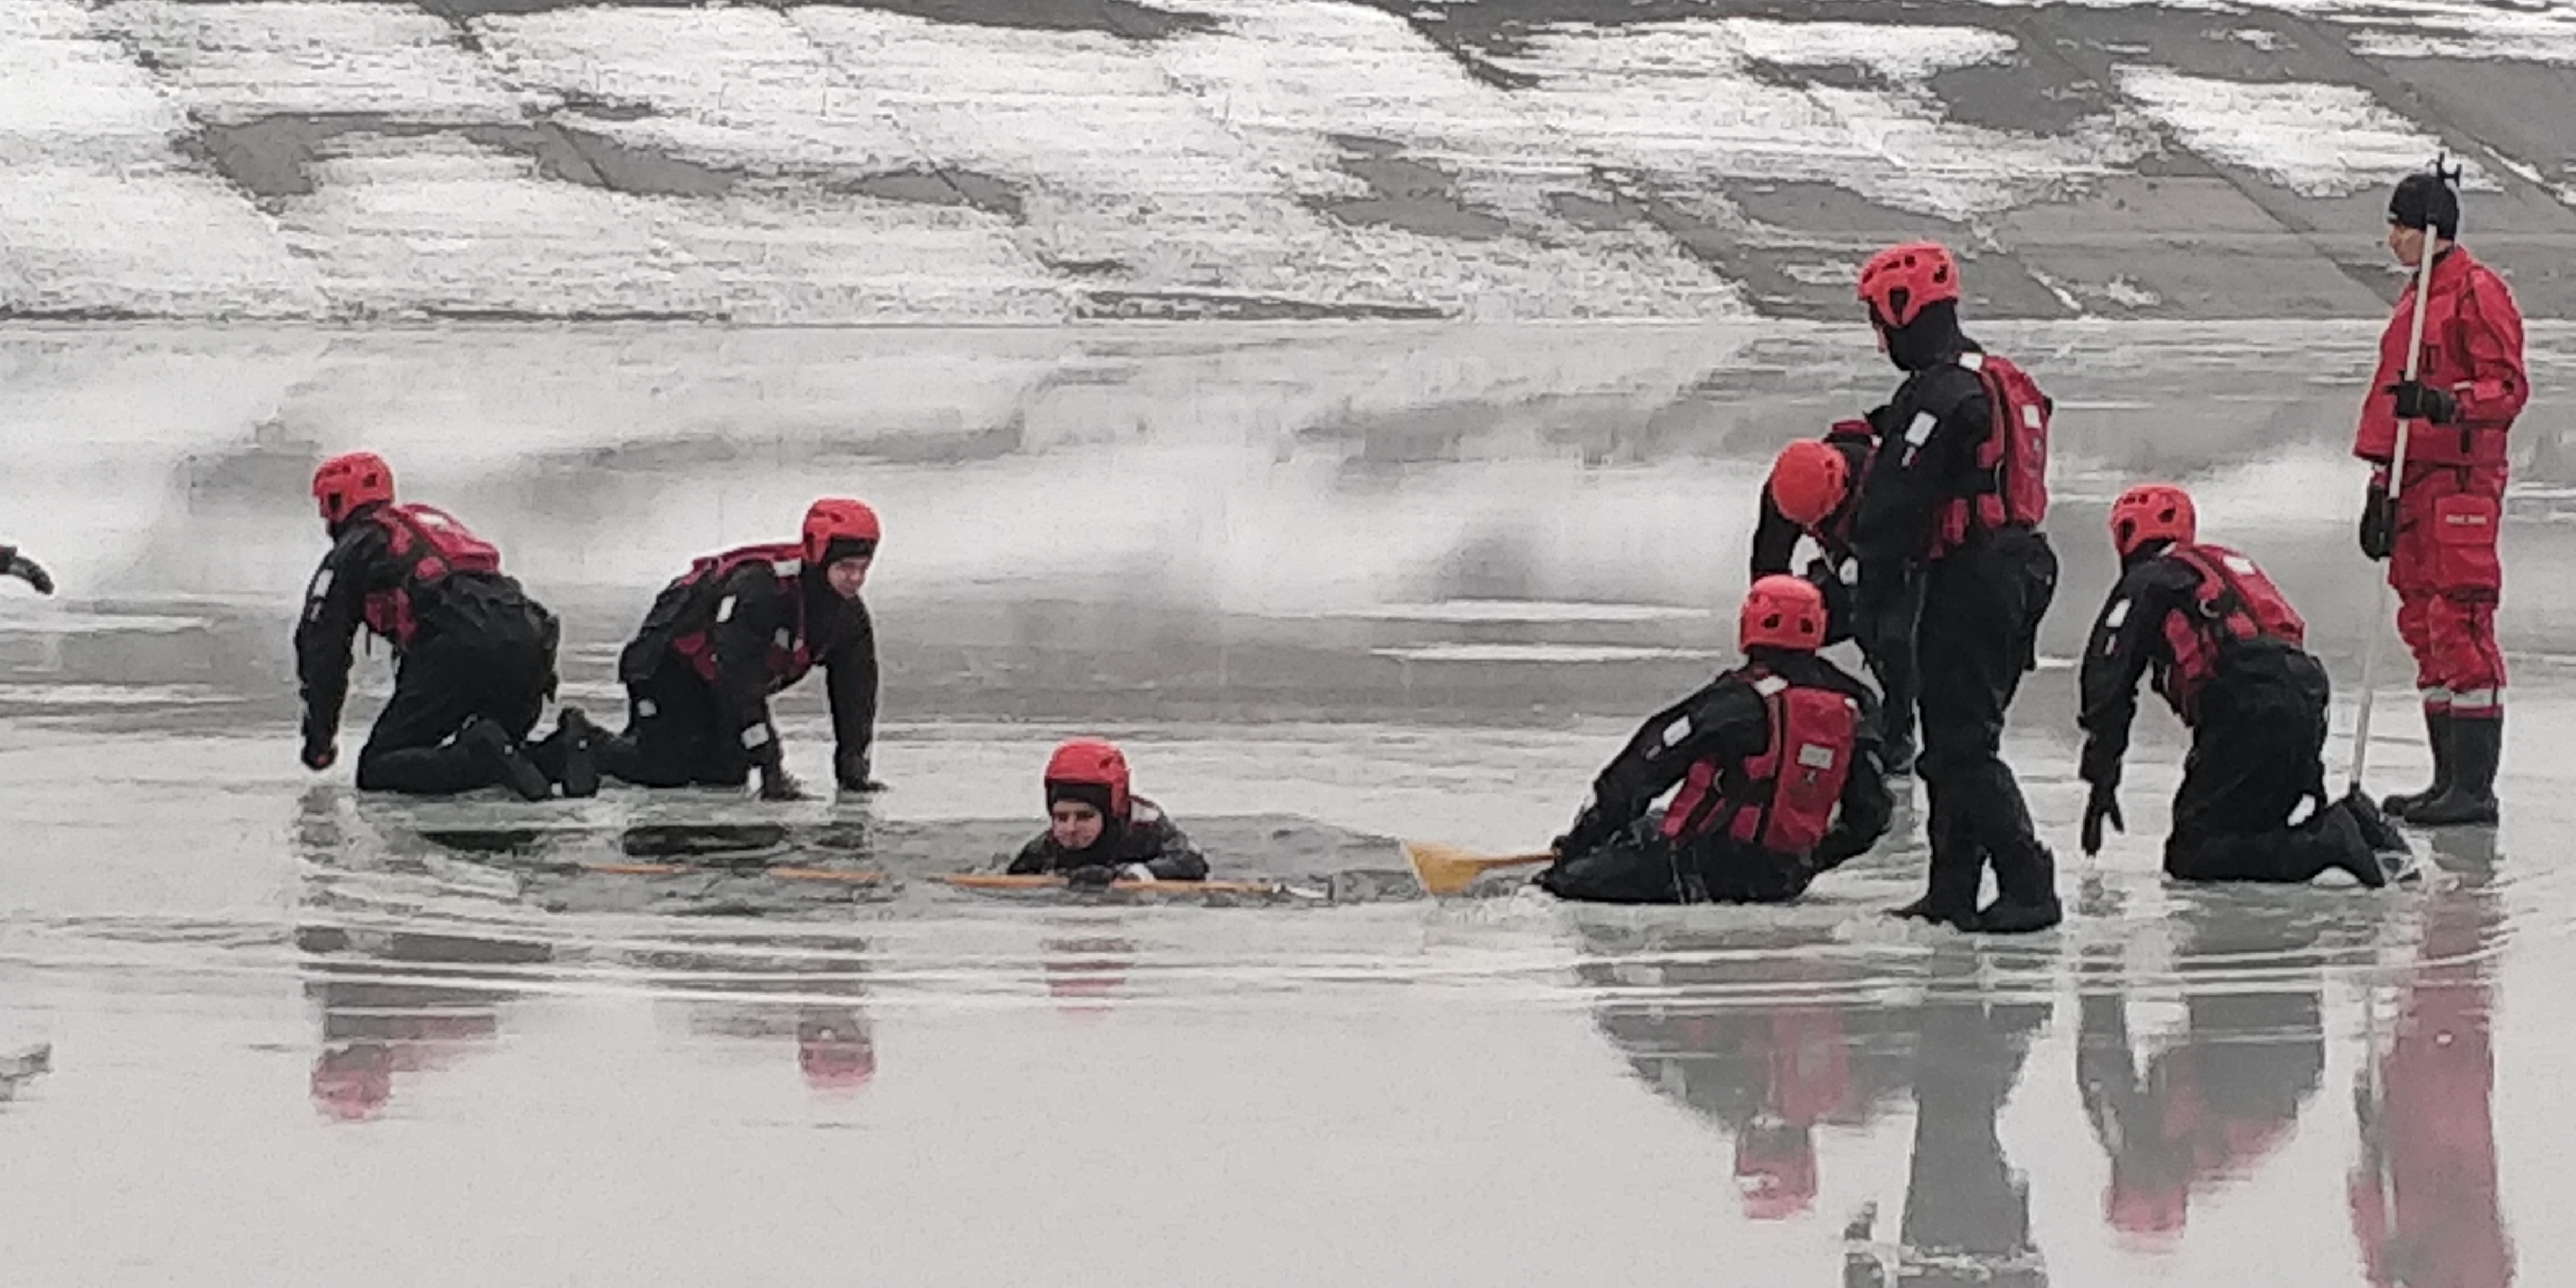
(2317, 140)
(1519, 611)
(1682, 99)
(1487, 653)
(232, 62)
(1285, 78)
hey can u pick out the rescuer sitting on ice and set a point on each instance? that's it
(474, 656)
(1098, 831)
(2224, 648)
(1777, 761)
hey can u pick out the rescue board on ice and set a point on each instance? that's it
(1050, 881)
(983, 881)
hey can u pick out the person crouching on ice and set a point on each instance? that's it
(2225, 651)
(1097, 832)
(736, 628)
(474, 656)
(1778, 765)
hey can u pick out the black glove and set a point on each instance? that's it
(25, 569)
(2419, 401)
(2378, 523)
(1841, 612)
(1091, 876)
(776, 784)
(319, 754)
(2103, 804)
(851, 768)
(1587, 834)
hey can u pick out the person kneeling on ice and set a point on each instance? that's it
(1097, 832)
(2225, 651)
(1809, 494)
(736, 628)
(474, 656)
(1778, 765)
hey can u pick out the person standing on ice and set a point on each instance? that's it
(474, 656)
(2224, 648)
(1098, 831)
(14, 564)
(1777, 762)
(1809, 495)
(2439, 533)
(1957, 490)
(736, 628)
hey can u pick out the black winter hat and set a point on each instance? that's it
(1095, 795)
(2424, 199)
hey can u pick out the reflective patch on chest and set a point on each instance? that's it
(724, 609)
(1769, 684)
(1676, 731)
(1920, 431)
(322, 582)
(786, 640)
(2239, 564)
(1816, 755)
(2119, 613)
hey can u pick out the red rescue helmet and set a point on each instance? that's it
(2151, 512)
(1808, 481)
(345, 482)
(838, 520)
(1091, 771)
(1782, 612)
(1897, 282)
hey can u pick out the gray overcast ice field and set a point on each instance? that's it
(1331, 586)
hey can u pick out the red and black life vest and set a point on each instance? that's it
(427, 544)
(2011, 484)
(2234, 604)
(790, 654)
(1782, 798)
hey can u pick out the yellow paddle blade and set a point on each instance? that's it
(1446, 869)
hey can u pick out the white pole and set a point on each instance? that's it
(2396, 486)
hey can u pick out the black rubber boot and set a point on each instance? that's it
(2437, 735)
(2341, 843)
(2025, 897)
(509, 763)
(577, 737)
(2477, 749)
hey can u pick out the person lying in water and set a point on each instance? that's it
(1097, 832)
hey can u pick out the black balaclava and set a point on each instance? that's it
(1931, 339)
(2424, 200)
(1095, 795)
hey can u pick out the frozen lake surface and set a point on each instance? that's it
(1330, 588)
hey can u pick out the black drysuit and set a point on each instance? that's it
(479, 648)
(1146, 836)
(1978, 629)
(2258, 737)
(1617, 853)
(684, 730)
(1886, 640)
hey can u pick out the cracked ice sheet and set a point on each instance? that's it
(1284, 77)
(1682, 99)
(2316, 140)
(417, 224)
(1112, 160)
(95, 210)
(237, 62)
(738, 88)
(67, 96)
